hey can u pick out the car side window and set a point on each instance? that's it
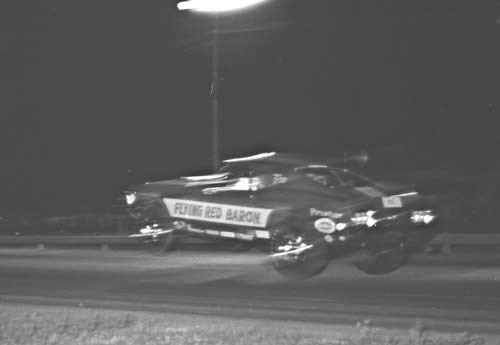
(320, 176)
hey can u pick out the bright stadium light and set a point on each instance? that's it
(216, 6)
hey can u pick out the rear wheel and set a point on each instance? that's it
(168, 243)
(238, 246)
(293, 261)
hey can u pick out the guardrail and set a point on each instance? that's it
(446, 242)
(443, 242)
(40, 241)
(467, 239)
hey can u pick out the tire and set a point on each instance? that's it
(239, 247)
(383, 262)
(307, 264)
(168, 243)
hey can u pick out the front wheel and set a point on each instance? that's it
(383, 262)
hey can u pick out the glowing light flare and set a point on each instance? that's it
(248, 183)
(216, 6)
(365, 218)
(428, 218)
(425, 217)
(130, 198)
(340, 226)
(146, 230)
(371, 222)
(252, 184)
(250, 158)
(205, 177)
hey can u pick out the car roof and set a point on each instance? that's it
(273, 160)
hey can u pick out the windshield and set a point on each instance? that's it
(351, 179)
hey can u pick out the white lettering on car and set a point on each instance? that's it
(321, 213)
(218, 213)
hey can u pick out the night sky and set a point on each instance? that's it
(98, 94)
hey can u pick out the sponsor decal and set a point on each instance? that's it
(249, 236)
(218, 213)
(325, 225)
(262, 234)
(246, 237)
(279, 178)
(320, 213)
(392, 202)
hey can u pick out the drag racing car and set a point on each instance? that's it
(304, 212)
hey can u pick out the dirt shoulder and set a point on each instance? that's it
(34, 324)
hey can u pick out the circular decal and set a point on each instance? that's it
(325, 225)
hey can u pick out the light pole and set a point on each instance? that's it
(214, 96)
(215, 7)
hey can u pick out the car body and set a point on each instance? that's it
(305, 212)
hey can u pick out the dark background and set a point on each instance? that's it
(97, 94)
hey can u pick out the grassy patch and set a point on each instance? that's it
(33, 325)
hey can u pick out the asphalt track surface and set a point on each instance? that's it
(442, 293)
